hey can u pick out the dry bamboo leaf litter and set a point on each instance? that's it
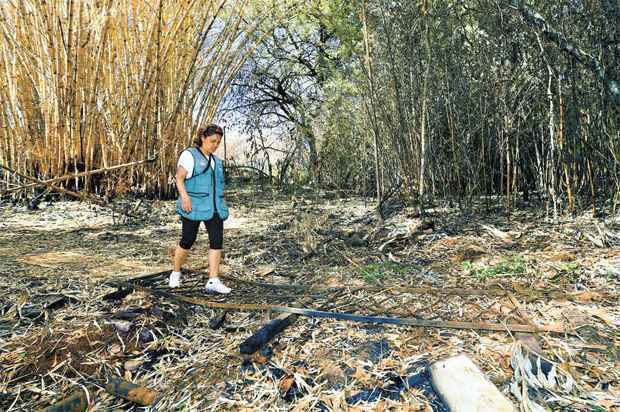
(170, 348)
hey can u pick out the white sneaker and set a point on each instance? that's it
(216, 285)
(175, 279)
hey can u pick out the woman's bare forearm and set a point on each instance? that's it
(180, 178)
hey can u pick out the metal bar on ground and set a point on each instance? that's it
(361, 318)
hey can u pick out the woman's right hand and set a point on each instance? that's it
(186, 203)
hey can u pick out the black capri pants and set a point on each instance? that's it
(215, 229)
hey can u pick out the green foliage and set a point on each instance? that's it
(570, 271)
(373, 272)
(511, 266)
(570, 267)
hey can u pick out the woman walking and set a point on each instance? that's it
(200, 183)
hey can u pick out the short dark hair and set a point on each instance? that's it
(206, 131)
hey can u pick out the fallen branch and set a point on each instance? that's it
(74, 176)
(80, 196)
(127, 287)
(359, 318)
(420, 290)
(258, 171)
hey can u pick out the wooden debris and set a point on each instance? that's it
(269, 331)
(519, 309)
(501, 235)
(131, 392)
(266, 270)
(417, 290)
(530, 342)
(266, 333)
(118, 294)
(60, 302)
(217, 321)
(126, 288)
(425, 225)
(464, 388)
(76, 402)
(132, 364)
(163, 273)
(420, 380)
(169, 343)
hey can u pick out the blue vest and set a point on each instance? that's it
(205, 188)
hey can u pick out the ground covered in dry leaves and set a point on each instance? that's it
(61, 330)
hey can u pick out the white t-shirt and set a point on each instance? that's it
(186, 160)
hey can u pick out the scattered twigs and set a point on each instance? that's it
(127, 287)
(59, 302)
(558, 294)
(422, 322)
(217, 321)
(499, 234)
(524, 317)
(420, 290)
(118, 294)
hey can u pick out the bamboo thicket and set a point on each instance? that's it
(92, 84)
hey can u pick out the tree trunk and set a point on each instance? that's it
(423, 128)
(551, 166)
(536, 21)
(372, 116)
